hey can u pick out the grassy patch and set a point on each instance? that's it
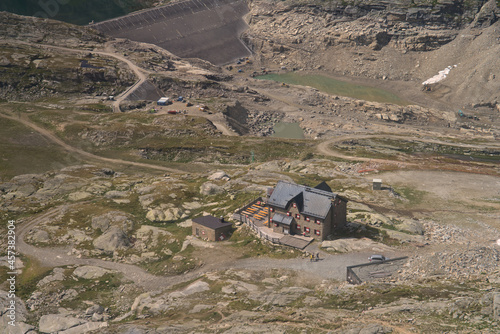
(413, 195)
(23, 151)
(29, 278)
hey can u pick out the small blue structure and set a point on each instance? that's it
(180, 99)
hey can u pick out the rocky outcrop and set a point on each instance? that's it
(244, 121)
(90, 272)
(8, 314)
(65, 324)
(220, 175)
(53, 323)
(112, 218)
(160, 215)
(113, 239)
(209, 188)
(488, 15)
(418, 25)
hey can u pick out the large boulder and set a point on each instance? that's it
(85, 327)
(147, 231)
(118, 218)
(220, 175)
(41, 236)
(158, 215)
(198, 286)
(414, 227)
(209, 188)
(173, 214)
(155, 215)
(90, 272)
(53, 323)
(112, 240)
(79, 196)
(112, 194)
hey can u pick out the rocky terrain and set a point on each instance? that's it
(398, 41)
(103, 201)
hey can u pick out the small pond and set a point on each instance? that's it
(288, 130)
(336, 87)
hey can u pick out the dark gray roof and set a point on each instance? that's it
(323, 186)
(310, 201)
(211, 222)
(279, 218)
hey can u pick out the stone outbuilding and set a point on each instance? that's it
(314, 212)
(211, 228)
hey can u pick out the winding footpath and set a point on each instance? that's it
(83, 153)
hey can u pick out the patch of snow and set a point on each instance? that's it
(440, 76)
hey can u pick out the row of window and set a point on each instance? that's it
(308, 230)
(297, 216)
(307, 219)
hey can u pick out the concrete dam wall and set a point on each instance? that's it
(206, 29)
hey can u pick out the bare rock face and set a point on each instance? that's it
(155, 215)
(220, 175)
(20, 316)
(158, 215)
(112, 240)
(488, 14)
(113, 218)
(413, 227)
(496, 306)
(53, 323)
(90, 272)
(41, 236)
(209, 188)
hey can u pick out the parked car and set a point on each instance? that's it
(377, 258)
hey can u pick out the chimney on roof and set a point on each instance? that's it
(222, 219)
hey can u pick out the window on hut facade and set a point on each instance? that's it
(298, 227)
(307, 229)
(318, 221)
(288, 213)
(294, 205)
(297, 216)
(307, 218)
(317, 232)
